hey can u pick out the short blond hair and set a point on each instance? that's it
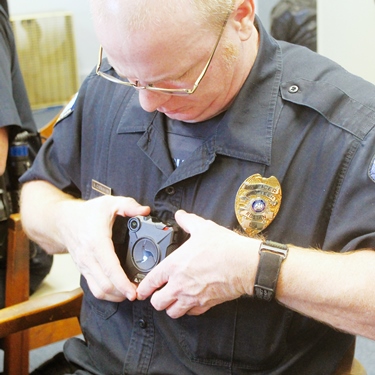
(214, 12)
(211, 13)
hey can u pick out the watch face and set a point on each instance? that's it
(145, 254)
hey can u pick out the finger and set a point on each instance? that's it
(130, 207)
(198, 310)
(153, 281)
(100, 285)
(163, 298)
(174, 307)
(176, 310)
(111, 268)
(100, 291)
(101, 268)
(188, 222)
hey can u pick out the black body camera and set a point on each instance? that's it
(148, 242)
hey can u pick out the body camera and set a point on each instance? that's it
(149, 242)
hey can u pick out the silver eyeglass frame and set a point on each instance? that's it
(179, 92)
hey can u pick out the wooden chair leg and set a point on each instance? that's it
(16, 362)
(24, 322)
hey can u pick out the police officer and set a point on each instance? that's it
(198, 115)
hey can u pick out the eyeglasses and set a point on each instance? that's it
(151, 87)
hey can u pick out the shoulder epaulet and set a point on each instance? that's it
(68, 109)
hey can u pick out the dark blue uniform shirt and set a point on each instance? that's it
(299, 117)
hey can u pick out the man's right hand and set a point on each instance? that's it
(59, 222)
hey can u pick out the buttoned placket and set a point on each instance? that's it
(142, 340)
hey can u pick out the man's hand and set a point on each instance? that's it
(59, 222)
(215, 265)
(86, 227)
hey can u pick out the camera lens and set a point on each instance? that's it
(145, 254)
(134, 224)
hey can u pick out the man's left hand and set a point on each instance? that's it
(215, 265)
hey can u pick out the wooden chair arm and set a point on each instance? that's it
(17, 266)
(46, 131)
(40, 310)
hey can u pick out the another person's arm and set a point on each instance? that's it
(59, 222)
(3, 149)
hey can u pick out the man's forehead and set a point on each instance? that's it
(122, 35)
(165, 55)
(140, 14)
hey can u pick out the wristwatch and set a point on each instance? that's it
(272, 255)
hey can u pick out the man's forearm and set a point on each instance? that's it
(40, 213)
(60, 222)
(336, 289)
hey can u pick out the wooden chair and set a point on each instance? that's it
(46, 130)
(25, 323)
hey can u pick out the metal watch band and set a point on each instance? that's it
(271, 256)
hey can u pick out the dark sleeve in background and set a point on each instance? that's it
(4, 4)
(15, 110)
(295, 21)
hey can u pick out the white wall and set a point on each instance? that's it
(86, 43)
(263, 9)
(346, 34)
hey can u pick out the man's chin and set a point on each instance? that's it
(185, 117)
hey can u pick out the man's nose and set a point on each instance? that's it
(150, 101)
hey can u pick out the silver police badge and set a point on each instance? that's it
(257, 203)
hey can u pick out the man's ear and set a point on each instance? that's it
(244, 15)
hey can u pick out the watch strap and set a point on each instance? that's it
(272, 255)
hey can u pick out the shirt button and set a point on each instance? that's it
(142, 323)
(293, 89)
(170, 190)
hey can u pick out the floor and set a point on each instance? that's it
(365, 353)
(38, 356)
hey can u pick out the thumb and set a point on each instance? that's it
(188, 222)
(126, 206)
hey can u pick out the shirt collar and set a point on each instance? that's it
(245, 132)
(247, 128)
